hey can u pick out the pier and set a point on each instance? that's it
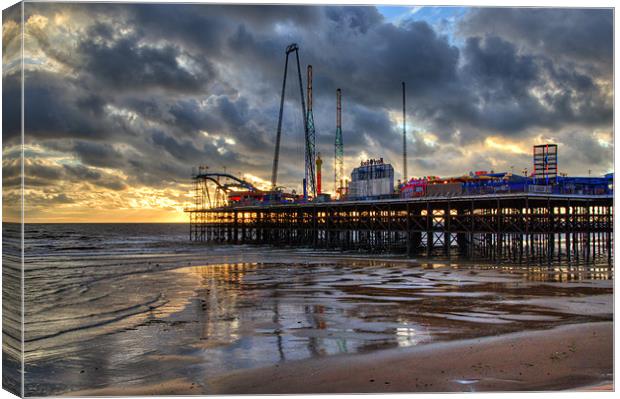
(518, 227)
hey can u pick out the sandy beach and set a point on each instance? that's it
(567, 357)
(194, 319)
(561, 358)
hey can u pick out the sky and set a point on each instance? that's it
(122, 100)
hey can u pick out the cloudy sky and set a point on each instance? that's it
(122, 100)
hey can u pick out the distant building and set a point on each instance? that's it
(373, 179)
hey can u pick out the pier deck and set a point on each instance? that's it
(518, 227)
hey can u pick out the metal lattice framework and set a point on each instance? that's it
(545, 157)
(310, 141)
(211, 188)
(514, 228)
(339, 149)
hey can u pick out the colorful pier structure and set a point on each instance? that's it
(502, 217)
(510, 227)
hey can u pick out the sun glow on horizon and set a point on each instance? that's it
(497, 143)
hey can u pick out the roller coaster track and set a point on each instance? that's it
(226, 187)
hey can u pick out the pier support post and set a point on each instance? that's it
(461, 237)
(408, 233)
(516, 228)
(447, 235)
(429, 230)
(235, 232)
(499, 237)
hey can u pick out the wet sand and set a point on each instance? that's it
(566, 357)
(562, 358)
(320, 325)
(135, 309)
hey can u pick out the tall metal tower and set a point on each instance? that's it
(274, 173)
(319, 167)
(404, 138)
(339, 149)
(310, 139)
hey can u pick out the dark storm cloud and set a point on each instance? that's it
(370, 123)
(207, 27)
(356, 19)
(495, 65)
(370, 66)
(180, 150)
(575, 35)
(189, 117)
(91, 104)
(81, 172)
(11, 20)
(234, 113)
(502, 69)
(123, 64)
(11, 75)
(580, 99)
(584, 147)
(171, 82)
(98, 154)
(40, 174)
(57, 107)
(11, 108)
(502, 82)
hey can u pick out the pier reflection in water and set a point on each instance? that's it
(321, 309)
(214, 319)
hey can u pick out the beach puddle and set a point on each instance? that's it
(467, 385)
(466, 382)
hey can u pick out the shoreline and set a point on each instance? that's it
(568, 357)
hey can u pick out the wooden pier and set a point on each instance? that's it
(518, 228)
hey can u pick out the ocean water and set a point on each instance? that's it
(133, 304)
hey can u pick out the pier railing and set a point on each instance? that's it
(519, 228)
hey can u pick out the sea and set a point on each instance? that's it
(133, 304)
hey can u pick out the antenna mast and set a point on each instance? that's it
(404, 138)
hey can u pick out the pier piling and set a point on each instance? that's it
(516, 228)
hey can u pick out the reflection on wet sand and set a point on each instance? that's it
(214, 319)
(310, 310)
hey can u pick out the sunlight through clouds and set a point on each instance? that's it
(124, 100)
